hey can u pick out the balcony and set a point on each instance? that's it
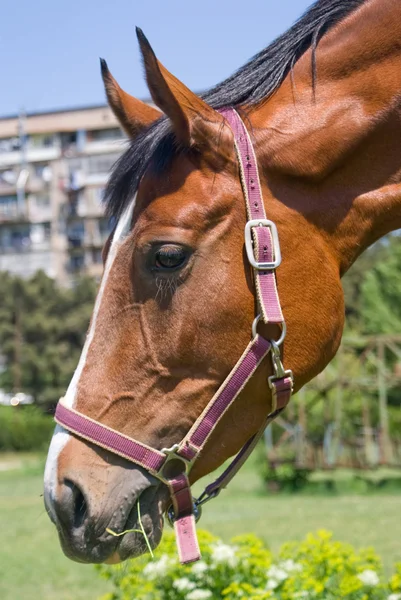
(7, 189)
(39, 214)
(16, 157)
(25, 239)
(104, 147)
(30, 179)
(18, 249)
(42, 154)
(42, 147)
(36, 184)
(85, 202)
(12, 213)
(88, 262)
(75, 242)
(101, 141)
(96, 240)
(24, 245)
(97, 179)
(25, 263)
(8, 182)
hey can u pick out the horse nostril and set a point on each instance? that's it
(78, 508)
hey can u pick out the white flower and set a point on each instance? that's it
(157, 568)
(199, 595)
(183, 584)
(222, 553)
(272, 584)
(369, 577)
(199, 567)
(290, 566)
(276, 573)
(275, 577)
(394, 597)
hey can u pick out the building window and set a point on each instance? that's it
(77, 262)
(76, 234)
(10, 144)
(42, 200)
(97, 256)
(15, 239)
(95, 195)
(20, 238)
(42, 171)
(8, 177)
(104, 135)
(99, 195)
(68, 139)
(76, 164)
(40, 233)
(105, 227)
(102, 163)
(41, 140)
(8, 206)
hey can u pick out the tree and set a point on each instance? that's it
(372, 289)
(42, 330)
(381, 292)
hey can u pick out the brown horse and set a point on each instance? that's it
(176, 303)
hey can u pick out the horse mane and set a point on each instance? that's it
(252, 84)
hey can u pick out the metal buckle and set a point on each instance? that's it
(171, 454)
(206, 497)
(279, 371)
(262, 266)
(197, 512)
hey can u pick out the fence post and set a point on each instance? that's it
(385, 446)
(302, 424)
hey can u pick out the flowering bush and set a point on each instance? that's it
(316, 569)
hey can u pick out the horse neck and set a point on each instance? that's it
(333, 152)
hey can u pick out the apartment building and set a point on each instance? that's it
(53, 169)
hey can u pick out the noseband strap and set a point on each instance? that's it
(263, 251)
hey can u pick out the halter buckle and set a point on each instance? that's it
(171, 455)
(262, 266)
(279, 371)
(206, 497)
(197, 512)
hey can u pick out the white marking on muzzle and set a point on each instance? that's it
(61, 435)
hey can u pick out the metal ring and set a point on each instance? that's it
(255, 325)
(283, 334)
(197, 512)
(283, 330)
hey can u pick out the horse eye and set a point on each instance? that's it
(170, 257)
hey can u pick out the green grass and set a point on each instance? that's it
(32, 566)
(362, 520)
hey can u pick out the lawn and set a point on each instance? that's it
(32, 566)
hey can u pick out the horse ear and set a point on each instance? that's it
(192, 119)
(132, 114)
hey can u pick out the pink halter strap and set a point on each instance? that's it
(263, 251)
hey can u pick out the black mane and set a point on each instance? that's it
(252, 84)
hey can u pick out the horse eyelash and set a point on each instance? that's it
(166, 287)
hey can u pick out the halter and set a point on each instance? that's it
(263, 252)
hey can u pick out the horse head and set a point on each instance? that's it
(176, 302)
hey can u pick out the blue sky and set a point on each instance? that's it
(49, 49)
